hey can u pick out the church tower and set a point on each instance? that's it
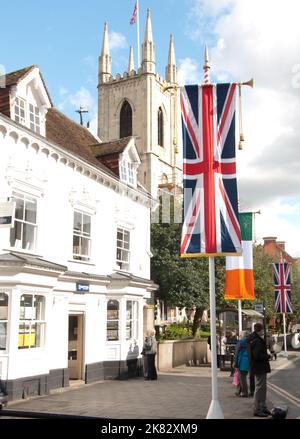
(146, 106)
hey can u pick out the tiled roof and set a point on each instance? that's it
(72, 137)
(114, 147)
(14, 77)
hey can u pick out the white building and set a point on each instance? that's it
(75, 268)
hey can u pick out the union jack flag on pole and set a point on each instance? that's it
(211, 225)
(134, 14)
(282, 281)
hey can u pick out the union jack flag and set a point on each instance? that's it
(282, 281)
(133, 18)
(211, 226)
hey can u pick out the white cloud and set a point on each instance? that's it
(188, 71)
(81, 98)
(117, 41)
(261, 39)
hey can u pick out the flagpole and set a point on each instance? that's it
(240, 317)
(215, 410)
(138, 34)
(283, 320)
(284, 336)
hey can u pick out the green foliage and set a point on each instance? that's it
(177, 331)
(184, 282)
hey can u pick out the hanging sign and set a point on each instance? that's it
(7, 214)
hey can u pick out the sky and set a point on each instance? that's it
(245, 38)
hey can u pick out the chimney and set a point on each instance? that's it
(270, 245)
(281, 245)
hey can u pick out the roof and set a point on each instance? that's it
(108, 148)
(21, 260)
(73, 137)
(15, 77)
(251, 312)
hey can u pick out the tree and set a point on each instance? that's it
(183, 282)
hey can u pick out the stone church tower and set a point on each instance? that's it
(144, 105)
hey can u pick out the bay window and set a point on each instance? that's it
(31, 321)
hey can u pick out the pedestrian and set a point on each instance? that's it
(272, 343)
(242, 364)
(231, 344)
(151, 349)
(259, 366)
(145, 359)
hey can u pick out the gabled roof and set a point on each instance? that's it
(109, 148)
(15, 77)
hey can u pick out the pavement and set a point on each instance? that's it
(180, 393)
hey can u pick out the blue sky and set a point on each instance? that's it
(64, 39)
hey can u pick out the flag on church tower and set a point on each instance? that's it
(133, 18)
(211, 226)
(282, 281)
(239, 282)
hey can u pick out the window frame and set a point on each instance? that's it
(113, 320)
(132, 320)
(126, 120)
(4, 322)
(122, 263)
(31, 322)
(82, 236)
(34, 125)
(17, 117)
(22, 223)
(160, 127)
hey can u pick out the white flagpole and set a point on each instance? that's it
(284, 322)
(138, 34)
(284, 336)
(240, 317)
(215, 410)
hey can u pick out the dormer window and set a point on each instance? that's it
(34, 117)
(20, 111)
(27, 114)
(127, 172)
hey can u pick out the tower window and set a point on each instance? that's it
(160, 127)
(126, 120)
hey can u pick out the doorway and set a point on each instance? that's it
(75, 346)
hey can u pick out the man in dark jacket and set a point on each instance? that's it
(259, 367)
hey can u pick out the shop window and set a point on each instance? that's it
(112, 320)
(3, 320)
(31, 322)
(131, 319)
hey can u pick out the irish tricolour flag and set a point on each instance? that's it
(239, 269)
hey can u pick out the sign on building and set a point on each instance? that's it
(259, 307)
(7, 214)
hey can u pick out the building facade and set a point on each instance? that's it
(75, 267)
